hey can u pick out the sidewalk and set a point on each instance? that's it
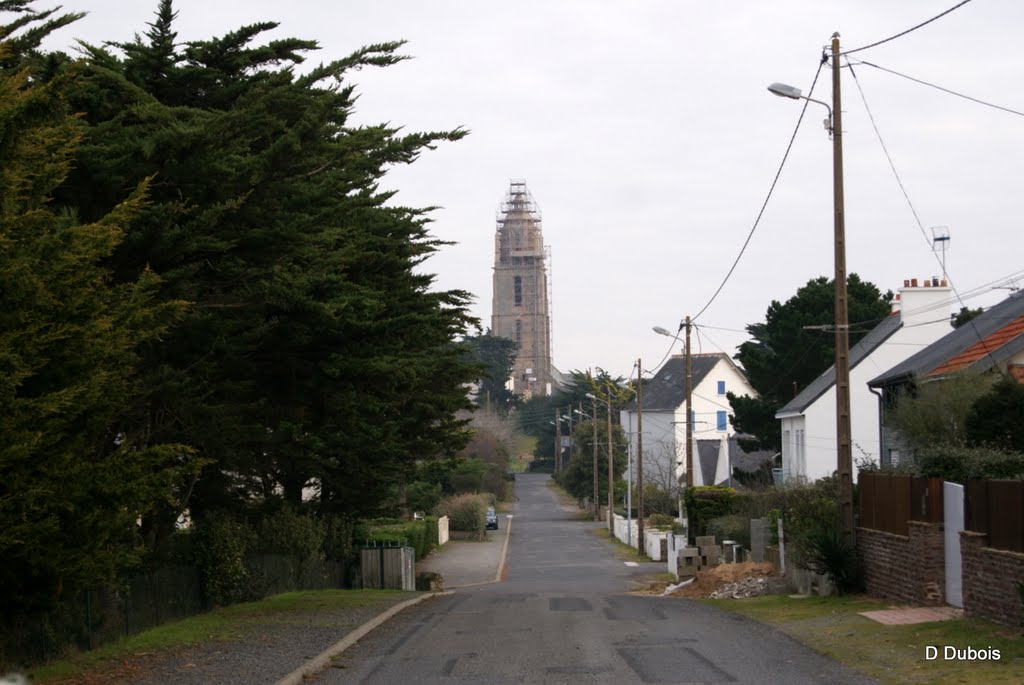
(465, 563)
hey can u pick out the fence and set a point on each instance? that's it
(166, 593)
(889, 502)
(996, 508)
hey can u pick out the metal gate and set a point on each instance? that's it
(953, 507)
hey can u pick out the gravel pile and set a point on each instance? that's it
(748, 587)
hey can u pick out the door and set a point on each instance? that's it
(953, 506)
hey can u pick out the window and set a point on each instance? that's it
(519, 332)
(721, 387)
(693, 421)
(518, 287)
(723, 421)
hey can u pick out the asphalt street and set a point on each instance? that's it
(564, 616)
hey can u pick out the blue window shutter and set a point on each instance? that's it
(721, 387)
(693, 420)
(722, 421)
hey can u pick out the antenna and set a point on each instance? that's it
(940, 243)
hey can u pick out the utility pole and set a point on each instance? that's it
(640, 454)
(593, 421)
(558, 439)
(611, 468)
(843, 439)
(689, 410)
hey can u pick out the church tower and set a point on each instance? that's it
(519, 310)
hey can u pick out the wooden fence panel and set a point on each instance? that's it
(889, 502)
(1006, 514)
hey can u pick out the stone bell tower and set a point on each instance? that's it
(520, 309)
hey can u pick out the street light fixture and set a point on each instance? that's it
(844, 444)
(787, 91)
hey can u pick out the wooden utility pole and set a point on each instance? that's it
(844, 465)
(611, 469)
(640, 454)
(593, 422)
(689, 409)
(558, 440)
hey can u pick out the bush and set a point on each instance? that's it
(423, 496)
(960, 464)
(826, 552)
(220, 548)
(657, 500)
(730, 527)
(295, 535)
(467, 513)
(706, 502)
(661, 521)
(420, 535)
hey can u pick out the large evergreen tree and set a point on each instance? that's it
(71, 486)
(794, 345)
(315, 352)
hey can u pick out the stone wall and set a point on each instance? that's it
(910, 568)
(990, 578)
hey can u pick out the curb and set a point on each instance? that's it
(501, 563)
(318, 662)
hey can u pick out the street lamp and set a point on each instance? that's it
(844, 457)
(611, 467)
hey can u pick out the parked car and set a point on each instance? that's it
(492, 519)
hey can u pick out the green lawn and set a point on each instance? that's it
(892, 654)
(227, 623)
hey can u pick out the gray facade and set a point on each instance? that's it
(520, 310)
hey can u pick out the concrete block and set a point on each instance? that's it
(705, 540)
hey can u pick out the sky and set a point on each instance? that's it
(646, 134)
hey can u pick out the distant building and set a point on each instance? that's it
(664, 415)
(520, 309)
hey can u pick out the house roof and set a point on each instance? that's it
(983, 342)
(707, 449)
(667, 390)
(864, 347)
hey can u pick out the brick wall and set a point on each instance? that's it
(906, 567)
(990, 578)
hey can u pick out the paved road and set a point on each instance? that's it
(563, 616)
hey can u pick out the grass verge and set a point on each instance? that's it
(891, 654)
(622, 550)
(224, 624)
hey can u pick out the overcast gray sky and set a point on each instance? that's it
(647, 136)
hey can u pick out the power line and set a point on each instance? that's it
(949, 279)
(764, 205)
(892, 166)
(944, 90)
(903, 33)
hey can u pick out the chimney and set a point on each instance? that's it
(924, 305)
(896, 301)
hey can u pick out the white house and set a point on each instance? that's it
(920, 316)
(665, 410)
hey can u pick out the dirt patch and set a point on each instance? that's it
(715, 578)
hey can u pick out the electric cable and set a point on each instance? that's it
(903, 33)
(937, 87)
(764, 205)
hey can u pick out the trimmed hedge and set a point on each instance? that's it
(466, 513)
(421, 535)
(706, 502)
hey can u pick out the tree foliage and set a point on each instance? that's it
(71, 487)
(199, 268)
(496, 356)
(935, 413)
(793, 346)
